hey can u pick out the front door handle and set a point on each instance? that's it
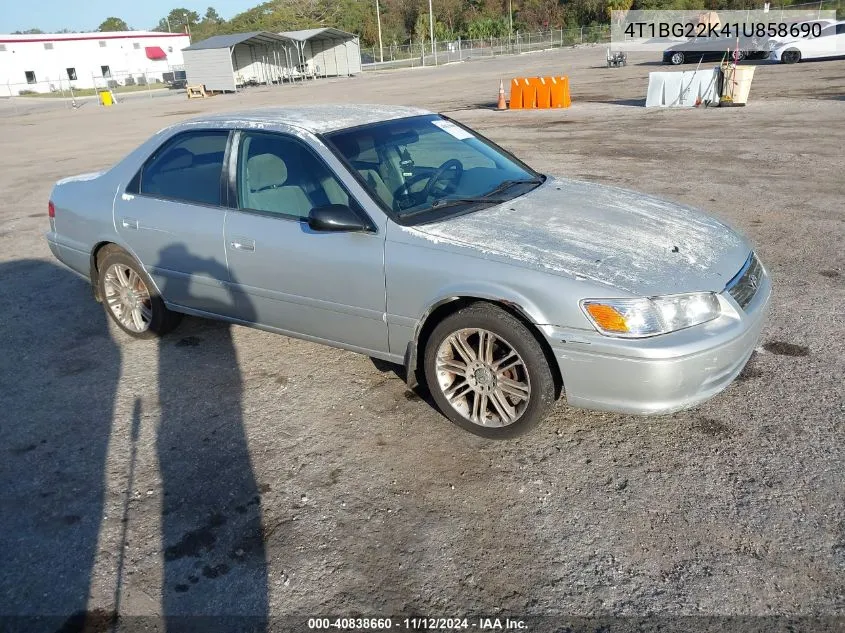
(129, 223)
(242, 244)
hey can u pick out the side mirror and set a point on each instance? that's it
(336, 218)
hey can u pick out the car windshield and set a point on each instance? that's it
(426, 167)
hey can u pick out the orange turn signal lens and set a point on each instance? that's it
(607, 318)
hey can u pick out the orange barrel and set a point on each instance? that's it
(529, 92)
(544, 97)
(516, 94)
(560, 92)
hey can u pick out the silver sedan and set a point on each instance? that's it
(406, 236)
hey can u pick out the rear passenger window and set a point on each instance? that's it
(188, 168)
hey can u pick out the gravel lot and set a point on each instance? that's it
(225, 470)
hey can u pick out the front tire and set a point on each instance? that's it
(791, 56)
(487, 372)
(677, 58)
(130, 298)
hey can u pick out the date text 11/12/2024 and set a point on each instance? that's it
(417, 624)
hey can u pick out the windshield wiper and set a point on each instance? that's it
(452, 202)
(486, 198)
(507, 184)
(448, 202)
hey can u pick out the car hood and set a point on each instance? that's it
(634, 242)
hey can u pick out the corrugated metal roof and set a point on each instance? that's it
(227, 41)
(326, 33)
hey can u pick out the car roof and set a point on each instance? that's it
(316, 118)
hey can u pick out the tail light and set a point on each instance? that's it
(51, 209)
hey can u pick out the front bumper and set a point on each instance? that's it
(661, 374)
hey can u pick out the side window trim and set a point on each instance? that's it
(236, 144)
(133, 187)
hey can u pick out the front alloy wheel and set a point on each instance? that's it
(483, 377)
(677, 58)
(792, 56)
(487, 372)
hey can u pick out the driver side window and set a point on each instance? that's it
(278, 174)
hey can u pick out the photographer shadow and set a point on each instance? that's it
(215, 563)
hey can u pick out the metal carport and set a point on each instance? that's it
(327, 52)
(227, 62)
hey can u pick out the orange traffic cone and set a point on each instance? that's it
(502, 105)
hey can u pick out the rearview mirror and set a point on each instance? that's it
(337, 218)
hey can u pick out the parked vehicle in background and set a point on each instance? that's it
(175, 80)
(702, 49)
(828, 45)
(774, 42)
(403, 235)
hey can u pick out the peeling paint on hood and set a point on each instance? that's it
(631, 241)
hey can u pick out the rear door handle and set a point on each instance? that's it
(242, 244)
(129, 223)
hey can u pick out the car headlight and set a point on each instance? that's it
(635, 318)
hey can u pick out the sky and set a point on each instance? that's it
(52, 15)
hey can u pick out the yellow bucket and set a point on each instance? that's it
(106, 98)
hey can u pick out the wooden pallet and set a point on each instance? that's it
(196, 92)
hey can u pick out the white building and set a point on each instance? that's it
(47, 63)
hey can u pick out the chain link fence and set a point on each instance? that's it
(421, 53)
(87, 85)
(811, 9)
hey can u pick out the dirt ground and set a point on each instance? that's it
(225, 470)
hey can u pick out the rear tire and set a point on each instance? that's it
(488, 373)
(130, 298)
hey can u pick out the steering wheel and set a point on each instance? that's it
(452, 163)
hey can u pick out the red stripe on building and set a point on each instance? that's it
(93, 37)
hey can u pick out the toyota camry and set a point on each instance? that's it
(406, 236)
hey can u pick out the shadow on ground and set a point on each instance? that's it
(56, 485)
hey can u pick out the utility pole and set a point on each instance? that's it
(380, 47)
(167, 19)
(431, 28)
(510, 19)
(187, 26)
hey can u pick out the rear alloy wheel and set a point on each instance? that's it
(792, 56)
(130, 299)
(487, 372)
(677, 58)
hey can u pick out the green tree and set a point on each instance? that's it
(113, 24)
(177, 19)
(422, 31)
(211, 16)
